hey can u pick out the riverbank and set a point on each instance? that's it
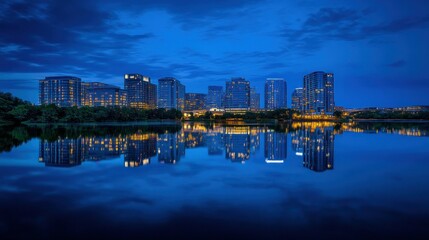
(391, 120)
(128, 123)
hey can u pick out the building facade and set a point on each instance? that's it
(195, 101)
(298, 99)
(63, 91)
(215, 97)
(318, 93)
(255, 100)
(237, 95)
(171, 94)
(275, 93)
(96, 94)
(141, 93)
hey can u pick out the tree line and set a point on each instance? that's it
(15, 110)
(390, 115)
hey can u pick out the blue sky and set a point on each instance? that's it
(376, 49)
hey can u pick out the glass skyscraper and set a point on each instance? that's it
(237, 96)
(298, 99)
(319, 93)
(171, 94)
(215, 97)
(195, 101)
(141, 93)
(255, 100)
(275, 93)
(63, 91)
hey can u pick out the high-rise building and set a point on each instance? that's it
(255, 100)
(96, 94)
(319, 93)
(195, 101)
(215, 97)
(63, 91)
(275, 93)
(141, 93)
(237, 96)
(171, 94)
(298, 99)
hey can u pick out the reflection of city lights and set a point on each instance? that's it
(274, 161)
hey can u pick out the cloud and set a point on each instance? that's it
(343, 24)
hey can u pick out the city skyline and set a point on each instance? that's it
(204, 44)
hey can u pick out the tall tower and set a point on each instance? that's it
(255, 100)
(298, 99)
(275, 93)
(237, 96)
(215, 97)
(171, 94)
(318, 93)
(141, 93)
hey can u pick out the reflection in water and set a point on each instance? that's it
(275, 147)
(140, 148)
(316, 146)
(62, 153)
(214, 143)
(237, 143)
(203, 188)
(171, 146)
(313, 141)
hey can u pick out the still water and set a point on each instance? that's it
(200, 181)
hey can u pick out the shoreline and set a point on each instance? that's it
(232, 121)
(391, 120)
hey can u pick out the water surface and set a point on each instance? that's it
(201, 181)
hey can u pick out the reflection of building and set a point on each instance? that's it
(318, 149)
(141, 93)
(298, 142)
(319, 93)
(101, 148)
(237, 96)
(255, 100)
(214, 143)
(61, 153)
(96, 94)
(275, 147)
(297, 99)
(195, 139)
(255, 139)
(140, 148)
(195, 101)
(214, 97)
(171, 94)
(275, 93)
(171, 146)
(63, 91)
(237, 143)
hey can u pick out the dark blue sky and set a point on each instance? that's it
(376, 49)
